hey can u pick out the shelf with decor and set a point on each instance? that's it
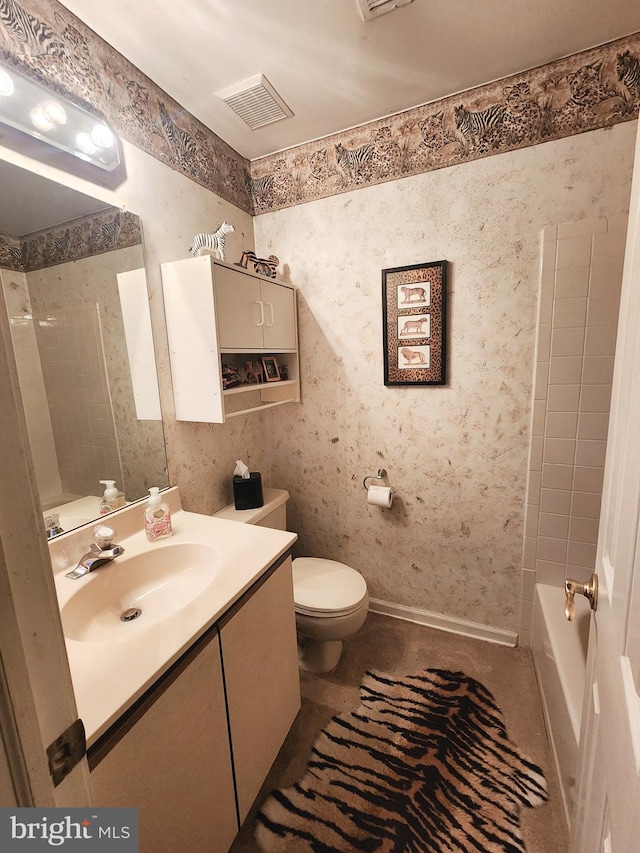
(229, 327)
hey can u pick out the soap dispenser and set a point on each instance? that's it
(112, 498)
(157, 516)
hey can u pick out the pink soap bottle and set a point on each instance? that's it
(157, 516)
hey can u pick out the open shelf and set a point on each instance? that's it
(259, 386)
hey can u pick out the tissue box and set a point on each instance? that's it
(247, 494)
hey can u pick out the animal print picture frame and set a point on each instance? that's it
(414, 301)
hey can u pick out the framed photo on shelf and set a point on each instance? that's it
(271, 369)
(414, 330)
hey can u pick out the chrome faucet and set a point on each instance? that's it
(52, 525)
(102, 551)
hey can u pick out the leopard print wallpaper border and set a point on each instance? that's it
(590, 90)
(587, 91)
(90, 235)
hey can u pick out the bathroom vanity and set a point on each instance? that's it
(185, 715)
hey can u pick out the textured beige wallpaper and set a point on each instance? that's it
(452, 542)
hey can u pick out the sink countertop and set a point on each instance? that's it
(109, 675)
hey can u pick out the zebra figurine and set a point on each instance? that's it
(212, 242)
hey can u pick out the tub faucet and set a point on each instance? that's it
(102, 551)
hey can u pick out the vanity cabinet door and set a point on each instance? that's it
(260, 656)
(171, 760)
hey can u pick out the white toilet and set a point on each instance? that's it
(331, 599)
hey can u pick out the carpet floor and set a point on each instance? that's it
(397, 647)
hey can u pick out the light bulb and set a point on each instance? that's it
(84, 143)
(39, 120)
(6, 84)
(102, 136)
(55, 112)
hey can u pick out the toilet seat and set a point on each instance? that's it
(326, 588)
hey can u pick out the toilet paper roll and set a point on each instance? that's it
(380, 496)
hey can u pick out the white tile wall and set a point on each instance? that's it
(73, 363)
(581, 268)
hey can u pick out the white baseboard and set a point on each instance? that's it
(444, 623)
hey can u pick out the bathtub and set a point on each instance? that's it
(559, 650)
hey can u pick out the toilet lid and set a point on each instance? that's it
(326, 587)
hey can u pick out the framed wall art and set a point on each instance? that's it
(414, 303)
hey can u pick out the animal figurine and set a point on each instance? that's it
(230, 376)
(254, 372)
(263, 266)
(212, 242)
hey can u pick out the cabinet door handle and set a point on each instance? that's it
(270, 307)
(261, 304)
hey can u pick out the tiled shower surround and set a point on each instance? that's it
(73, 363)
(581, 277)
(65, 391)
(68, 331)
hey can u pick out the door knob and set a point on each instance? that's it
(588, 589)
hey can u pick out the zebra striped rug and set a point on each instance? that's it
(424, 764)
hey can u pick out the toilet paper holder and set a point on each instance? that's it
(382, 473)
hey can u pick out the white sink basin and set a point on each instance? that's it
(158, 582)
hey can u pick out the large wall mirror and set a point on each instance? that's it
(73, 280)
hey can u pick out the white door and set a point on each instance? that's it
(607, 816)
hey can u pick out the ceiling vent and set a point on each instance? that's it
(255, 101)
(370, 9)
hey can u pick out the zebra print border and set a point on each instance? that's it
(105, 231)
(590, 90)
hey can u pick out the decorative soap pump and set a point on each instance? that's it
(112, 498)
(157, 516)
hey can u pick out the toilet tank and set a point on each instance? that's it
(272, 514)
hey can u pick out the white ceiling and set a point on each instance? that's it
(332, 69)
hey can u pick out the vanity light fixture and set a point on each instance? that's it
(27, 106)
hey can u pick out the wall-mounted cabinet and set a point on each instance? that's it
(220, 314)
